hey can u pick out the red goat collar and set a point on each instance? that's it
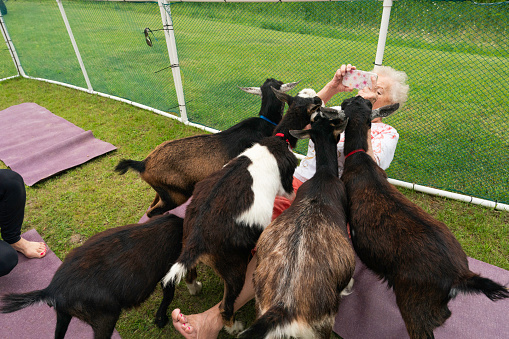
(283, 136)
(354, 151)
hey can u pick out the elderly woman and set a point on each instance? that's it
(390, 87)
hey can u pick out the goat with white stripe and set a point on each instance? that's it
(305, 260)
(231, 207)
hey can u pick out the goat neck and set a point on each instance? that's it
(290, 121)
(358, 110)
(328, 147)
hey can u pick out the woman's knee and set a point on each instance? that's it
(11, 181)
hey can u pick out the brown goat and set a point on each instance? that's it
(174, 167)
(418, 256)
(305, 260)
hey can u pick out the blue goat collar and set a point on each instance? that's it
(267, 119)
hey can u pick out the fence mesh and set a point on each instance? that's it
(453, 129)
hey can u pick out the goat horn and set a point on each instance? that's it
(288, 86)
(252, 90)
(384, 111)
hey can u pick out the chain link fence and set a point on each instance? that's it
(453, 129)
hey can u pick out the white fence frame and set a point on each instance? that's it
(173, 56)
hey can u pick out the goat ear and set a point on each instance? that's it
(300, 134)
(384, 111)
(288, 86)
(252, 90)
(282, 95)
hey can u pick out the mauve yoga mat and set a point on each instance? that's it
(371, 310)
(37, 321)
(38, 144)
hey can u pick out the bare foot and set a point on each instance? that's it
(206, 325)
(30, 249)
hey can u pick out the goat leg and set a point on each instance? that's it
(161, 318)
(104, 325)
(192, 284)
(233, 271)
(156, 200)
(63, 320)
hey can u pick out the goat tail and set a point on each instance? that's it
(13, 302)
(187, 260)
(175, 274)
(275, 322)
(474, 283)
(124, 165)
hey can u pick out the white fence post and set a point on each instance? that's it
(10, 47)
(172, 53)
(382, 36)
(74, 45)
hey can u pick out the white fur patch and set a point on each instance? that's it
(307, 93)
(266, 185)
(293, 330)
(235, 329)
(176, 273)
(194, 288)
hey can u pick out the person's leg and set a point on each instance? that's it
(208, 324)
(12, 212)
(8, 258)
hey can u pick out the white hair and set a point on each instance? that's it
(398, 86)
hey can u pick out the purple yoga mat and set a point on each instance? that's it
(37, 321)
(38, 144)
(371, 310)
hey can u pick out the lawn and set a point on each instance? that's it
(69, 208)
(453, 130)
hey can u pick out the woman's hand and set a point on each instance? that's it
(337, 81)
(336, 84)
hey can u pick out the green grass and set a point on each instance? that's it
(69, 208)
(453, 130)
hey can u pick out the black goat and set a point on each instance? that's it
(113, 270)
(305, 260)
(418, 256)
(174, 167)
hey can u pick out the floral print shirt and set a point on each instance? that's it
(384, 139)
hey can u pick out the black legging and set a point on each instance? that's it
(12, 212)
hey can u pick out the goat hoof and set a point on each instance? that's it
(235, 329)
(161, 321)
(194, 288)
